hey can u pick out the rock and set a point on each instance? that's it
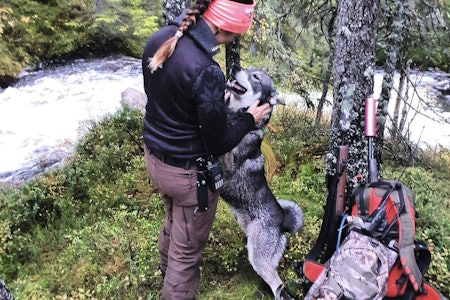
(134, 99)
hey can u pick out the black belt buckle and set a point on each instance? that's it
(201, 163)
(179, 163)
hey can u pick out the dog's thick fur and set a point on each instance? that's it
(262, 217)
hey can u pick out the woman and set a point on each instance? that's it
(185, 122)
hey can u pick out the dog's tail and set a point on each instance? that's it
(293, 216)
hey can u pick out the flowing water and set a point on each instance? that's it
(428, 120)
(41, 117)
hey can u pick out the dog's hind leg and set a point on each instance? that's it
(265, 247)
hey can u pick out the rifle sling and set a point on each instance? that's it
(328, 233)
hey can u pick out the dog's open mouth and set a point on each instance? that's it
(234, 87)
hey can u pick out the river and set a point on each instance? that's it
(42, 115)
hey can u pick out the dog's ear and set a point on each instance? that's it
(276, 98)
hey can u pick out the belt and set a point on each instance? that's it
(175, 162)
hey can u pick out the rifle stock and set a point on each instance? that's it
(341, 168)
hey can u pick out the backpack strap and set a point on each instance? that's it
(398, 288)
(406, 233)
(358, 193)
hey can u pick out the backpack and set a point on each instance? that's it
(376, 255)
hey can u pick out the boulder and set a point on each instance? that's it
(134, 99)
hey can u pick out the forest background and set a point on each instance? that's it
(89, 230)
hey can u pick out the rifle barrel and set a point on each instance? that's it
(370, 132)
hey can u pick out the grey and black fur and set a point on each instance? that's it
(262, 217)
(4, 292)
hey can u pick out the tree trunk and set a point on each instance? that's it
(326, 82)
(398, 101)
(405, 110)
(353, 72)
(392, 54)
(232, 55)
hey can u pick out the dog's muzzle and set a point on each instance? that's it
(234, 87)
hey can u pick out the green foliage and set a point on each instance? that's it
(284, 40)
(296, 139)
(45, 31)
(425, 38)
(30, 37)
(430, 41)
(8, 67)
(125, 25)
(225, 237)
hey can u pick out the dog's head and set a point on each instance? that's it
(247, 85)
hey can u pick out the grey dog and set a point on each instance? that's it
(262, 217)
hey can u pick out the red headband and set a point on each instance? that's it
(231, 16)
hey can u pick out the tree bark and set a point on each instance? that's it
(398, 101)
(405, 109)
(232, 55)
(353, 73)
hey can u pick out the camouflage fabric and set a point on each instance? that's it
(359, 270)
(4, 293)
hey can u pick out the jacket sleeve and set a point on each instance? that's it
(220, 136)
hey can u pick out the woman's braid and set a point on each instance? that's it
(168, 47)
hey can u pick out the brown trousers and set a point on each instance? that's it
(185, 230)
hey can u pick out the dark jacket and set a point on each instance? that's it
(187, 93)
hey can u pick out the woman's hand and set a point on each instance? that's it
(258, 112)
